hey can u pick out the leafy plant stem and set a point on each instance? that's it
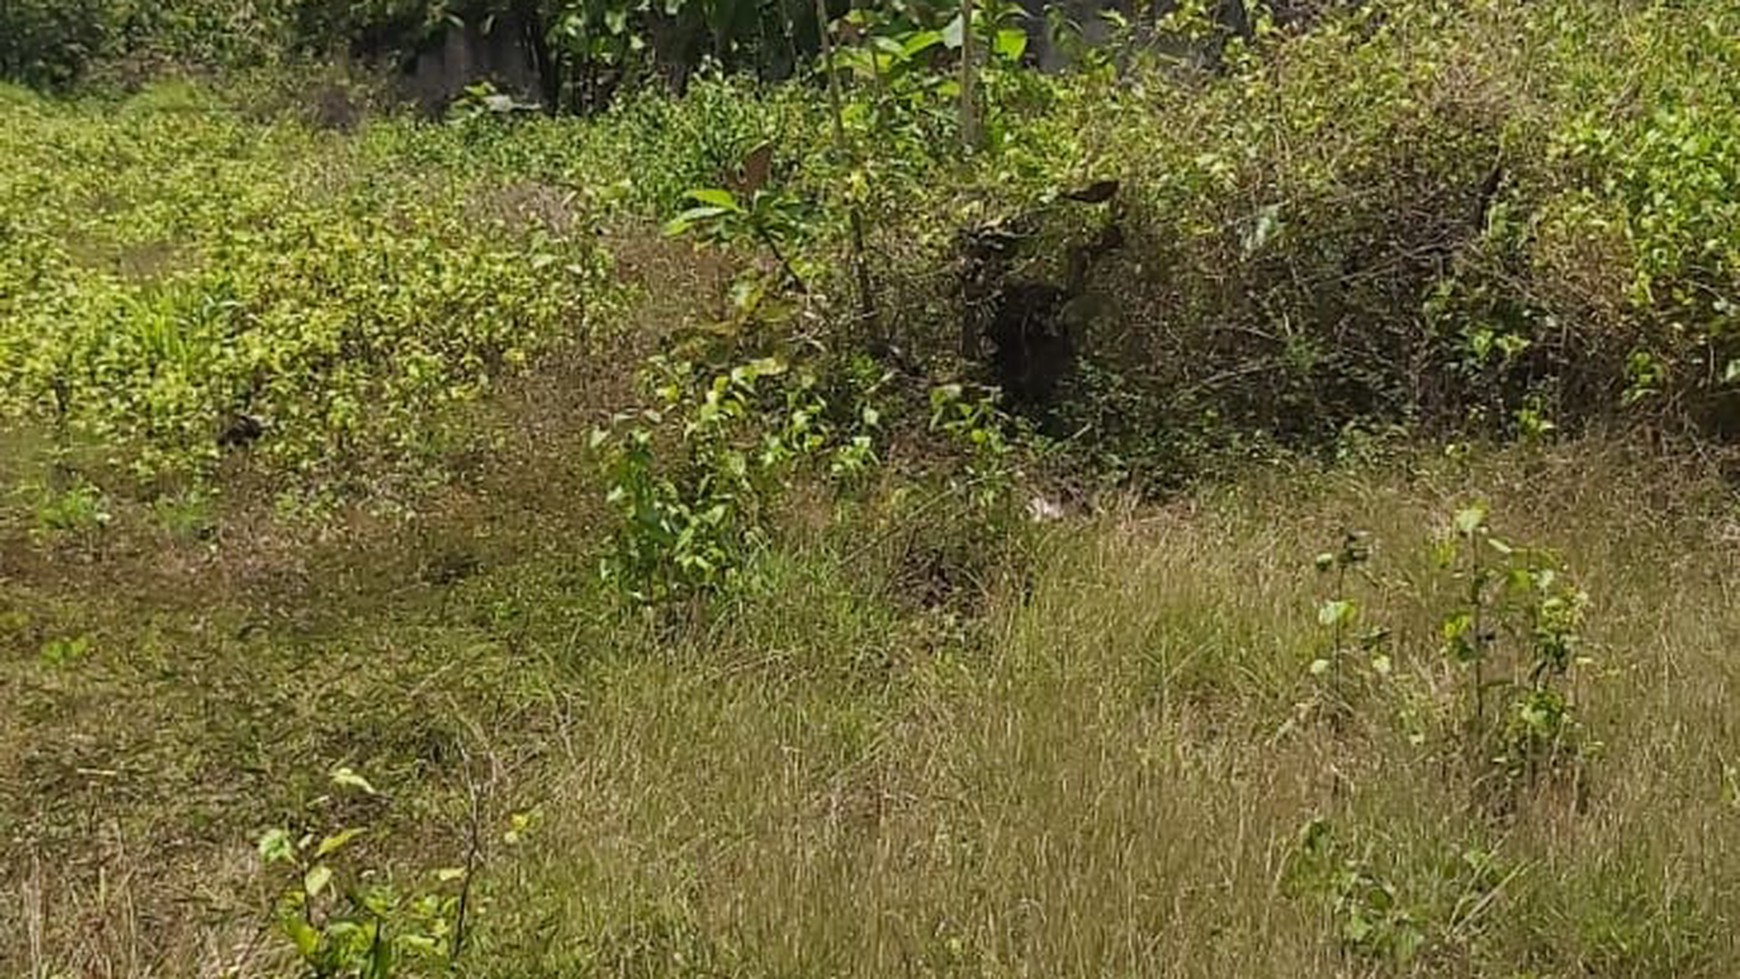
(792, 278)
(1475, 597)
(473, 852)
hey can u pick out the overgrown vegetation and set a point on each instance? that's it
(848, 499)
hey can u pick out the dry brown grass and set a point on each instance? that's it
(1099, 773)
(1107, 783)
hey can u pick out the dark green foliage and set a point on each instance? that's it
(48, 42)
(53, 43)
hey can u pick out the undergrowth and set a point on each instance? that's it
(782, 505)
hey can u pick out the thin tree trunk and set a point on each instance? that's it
(969, 78)
(866, 294)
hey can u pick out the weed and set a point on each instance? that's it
(352, 924)
(1339, 614)
(1369, 915)
(694, 478)
(65, 651)
(1517, 611)
(80, 509)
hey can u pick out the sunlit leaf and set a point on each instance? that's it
(953, 34)
(1470, 519)
(351, 780)
(692, 217)
(336, 841)
(301, 934)
(923, 41)
(1335, 612)
(276, 846)
(715, 197)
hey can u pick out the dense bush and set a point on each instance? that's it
(1443, 214)
(1456, 216)
(52, 43)
(47, 42)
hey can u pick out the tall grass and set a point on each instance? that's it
(1107, 781)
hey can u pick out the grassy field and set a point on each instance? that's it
(1094, 759)
(410, 542)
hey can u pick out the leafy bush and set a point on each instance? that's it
(47, 42)
(1364, 224)
(51, 43)
(694, 475)
(347, 922)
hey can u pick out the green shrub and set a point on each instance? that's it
(1449, 216)
(695, 475)
(49, 42)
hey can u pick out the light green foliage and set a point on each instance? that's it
(349, 924)
(173, 268)
(1439, 909)
(1349, 648)
(1515, 632)
(65, 651)
(1369, 915)
(78, 509)
(329, 285)
(904, 78)
(1512, 634)
(973, 421)
(694, 475)
(768, 218)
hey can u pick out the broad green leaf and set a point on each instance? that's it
(1456, 626)
(692, 217)
(716, 197)
(422, 945)
(337, 841)
(316, 879)
(1011, 43)
(1335, 612)
(1470, 519)
(920, 42)
(301, 934)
